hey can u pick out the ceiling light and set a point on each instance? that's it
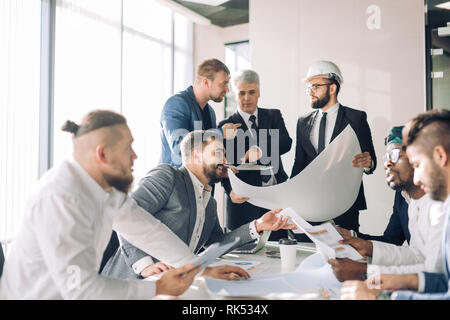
(209, 2)
(445, 5)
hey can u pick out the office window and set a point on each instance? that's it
(237, 57)
(87, 63)
(147, 75)
(122, 55)
(19, 108)
(184, 52)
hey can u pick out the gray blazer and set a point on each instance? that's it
(168, 194)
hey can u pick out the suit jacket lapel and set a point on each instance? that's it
(238, 119)
(339, 126)
(191, 196)
(263, 119)
(306, 133)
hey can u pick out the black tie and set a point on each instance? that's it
(323, 123)
(252, 120)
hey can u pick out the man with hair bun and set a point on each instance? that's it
(69, 218)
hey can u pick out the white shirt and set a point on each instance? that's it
(246, 117)
(202, 196)
(426, 218)
(67, 224)
(329, 127)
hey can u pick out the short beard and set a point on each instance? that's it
(210, 173)
(439, 186)
(216, 99)
(320, 103)
(407, 185)
(120, 183)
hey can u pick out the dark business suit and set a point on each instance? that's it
(397, 231)
(305, 153)
(268, 121)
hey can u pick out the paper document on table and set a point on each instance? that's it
(213, 252)
(273, 285)
(325, 236)
(246, 265)
(330, 173)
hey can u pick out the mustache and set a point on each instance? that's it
(388, 171)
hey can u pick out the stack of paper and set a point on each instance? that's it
(331, 172)
(325, 236)
(316, 277)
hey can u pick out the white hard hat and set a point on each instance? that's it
(326, 68)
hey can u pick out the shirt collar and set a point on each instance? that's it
(197, 184)
(190, 92)
(92, 186)
(333, 109)
(246, 116)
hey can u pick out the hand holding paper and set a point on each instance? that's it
(325, 236)
(271, 222)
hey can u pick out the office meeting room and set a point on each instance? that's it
(225, 158)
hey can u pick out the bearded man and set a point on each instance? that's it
(316, 130)
(181, 199)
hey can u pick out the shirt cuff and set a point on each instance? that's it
(367, 170)
(421, 284)
(252, 228)
(373, 270)
(141, 264)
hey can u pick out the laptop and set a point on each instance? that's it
(255, 246)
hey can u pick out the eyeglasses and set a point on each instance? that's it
(394, 155)
(314, 87)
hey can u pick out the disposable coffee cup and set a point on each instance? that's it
(288, 253)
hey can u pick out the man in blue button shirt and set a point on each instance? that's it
(189, 110)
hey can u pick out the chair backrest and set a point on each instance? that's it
(2, 259)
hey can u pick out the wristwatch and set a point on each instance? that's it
(384, 295)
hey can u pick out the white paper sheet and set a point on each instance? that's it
(325, 189)
(246, 265)
(325, 236)
(297, 283)
(213, 252)
(313, 262)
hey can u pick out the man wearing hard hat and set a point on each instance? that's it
(317, 129)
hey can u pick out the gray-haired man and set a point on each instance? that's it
(262, 137)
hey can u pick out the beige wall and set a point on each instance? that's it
(384, 69)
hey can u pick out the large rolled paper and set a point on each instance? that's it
(325, 189)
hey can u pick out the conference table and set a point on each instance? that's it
(267, 262)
